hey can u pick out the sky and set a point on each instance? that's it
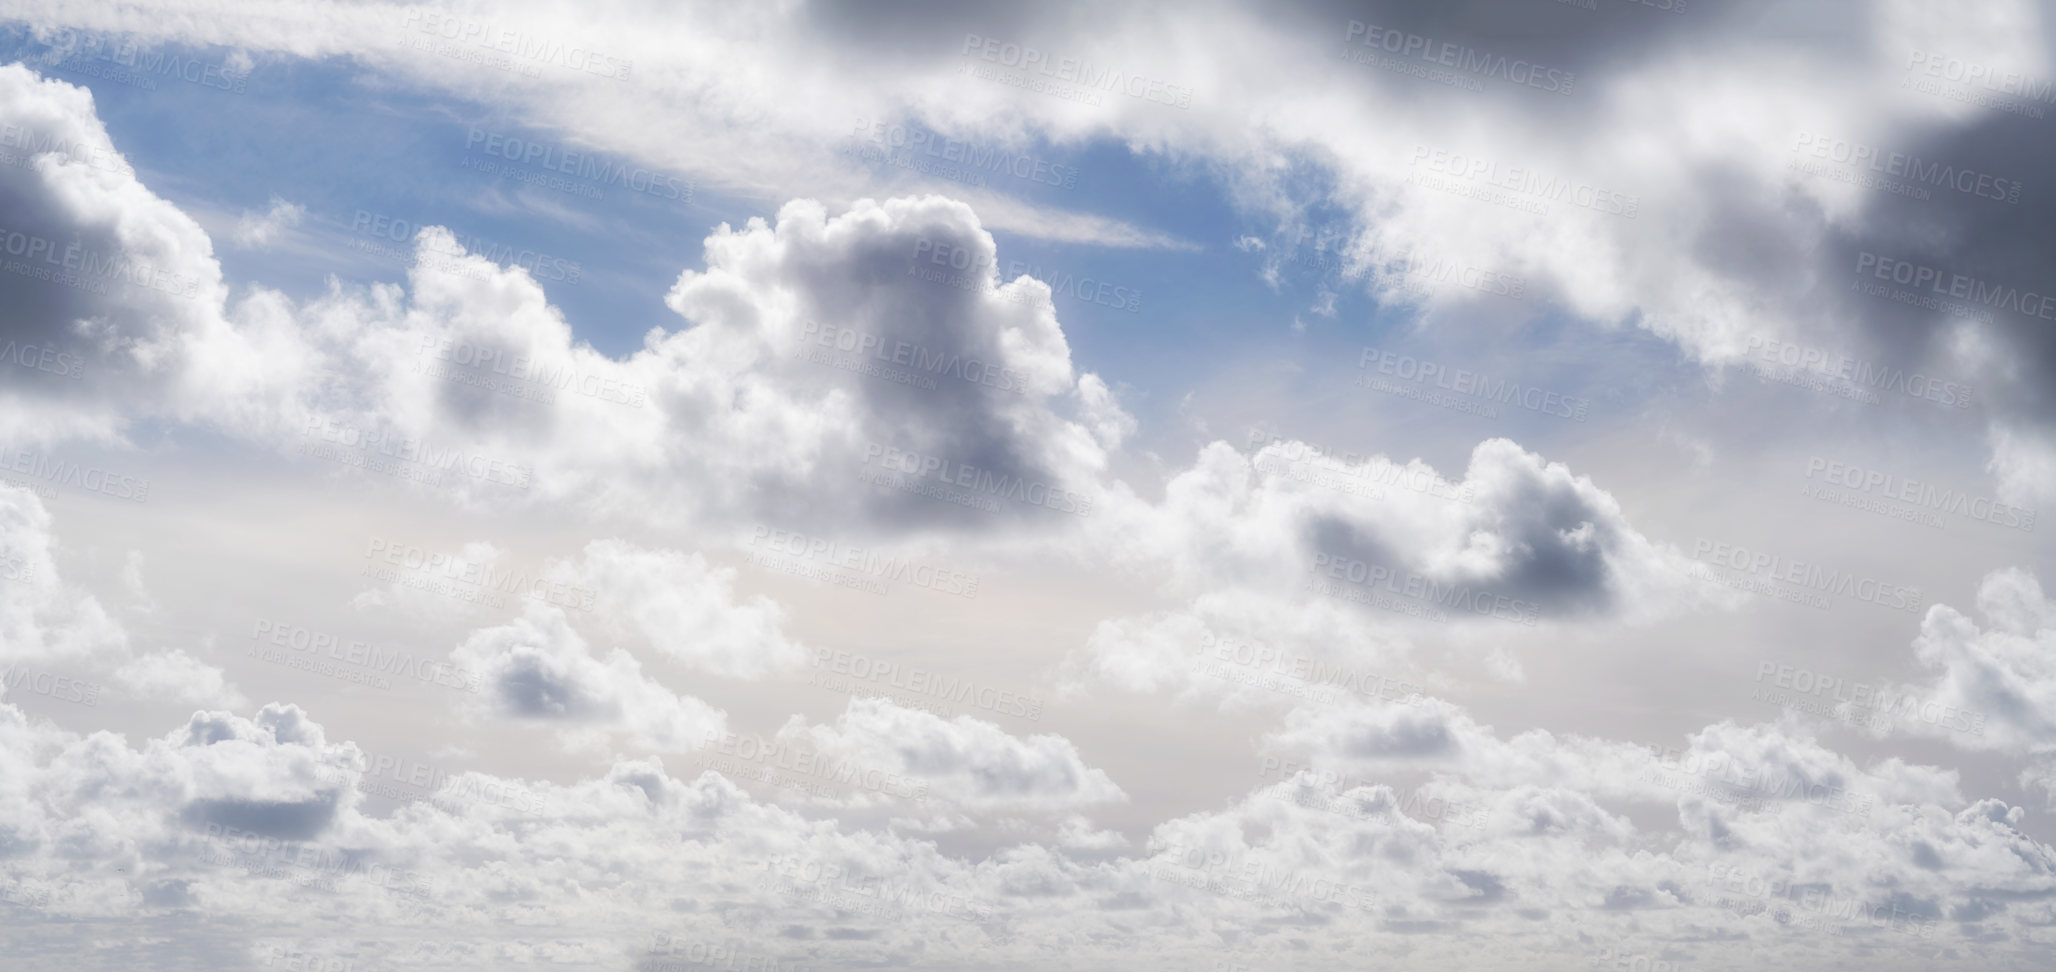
(803, 485)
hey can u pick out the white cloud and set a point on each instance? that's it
(970, 762)
(257, 231)
(753, 409)
(536, 668)
(1561, 845)
(41, 617)
(1518, 539)
(45, 621)
(1472, 856)
(1993, 686)
(176, 677)
(1674, 209)
(137, 302)
(682, 606)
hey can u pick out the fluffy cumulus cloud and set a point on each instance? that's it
(1325, 568)
(119, 286)
(673, 603)
(1729, 768)
(1990, 687)
(872, 368)
(1696, 202)
(1518, 538)
(257, 818)
(801, 385)
(683, 607)
(536, 668)
(966, 761)
(94, 803)
(803, 372)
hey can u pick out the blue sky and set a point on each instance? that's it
(342, 142)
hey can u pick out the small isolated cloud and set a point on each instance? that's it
(683, 607)
(176, 677)
(258, 231)
(537, 669)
